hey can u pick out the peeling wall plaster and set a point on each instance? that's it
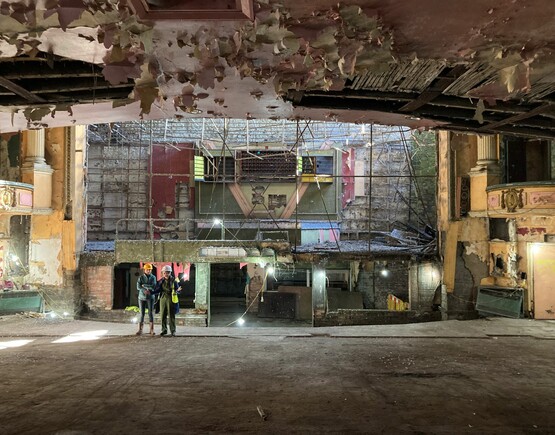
(189, 66)
(331, 44)
(44, 268)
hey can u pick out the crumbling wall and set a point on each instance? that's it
(470, 269)
(378, 279)
(97, 277)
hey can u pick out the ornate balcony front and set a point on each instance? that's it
(16, 198)
(535, 198)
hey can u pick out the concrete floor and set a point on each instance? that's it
(80, 377)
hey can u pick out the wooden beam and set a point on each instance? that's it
(18, 90)
(237, 193)
(435, 89)
(292, 203)
(512, 119)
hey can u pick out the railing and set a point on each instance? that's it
(16, 198)
(536, 197)
(203, 229)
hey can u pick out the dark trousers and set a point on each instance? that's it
(167, 307)
(149, 303)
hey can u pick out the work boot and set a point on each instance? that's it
(140, 331)
(152, 328)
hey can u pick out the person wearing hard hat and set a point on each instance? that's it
(145, 287)
(168, 288)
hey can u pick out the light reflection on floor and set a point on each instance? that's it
(82, 336)
(14, 343)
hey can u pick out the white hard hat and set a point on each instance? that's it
(167, 268)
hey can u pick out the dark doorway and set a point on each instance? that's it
(227, 293)
(122, 285)
(527, 160)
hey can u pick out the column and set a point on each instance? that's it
(487, 152)
(485, 173)
(36, 171)
(202, 288)
(319, 298)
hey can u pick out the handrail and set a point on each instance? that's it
(229, 226)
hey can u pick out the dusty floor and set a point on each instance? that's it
(474, 377)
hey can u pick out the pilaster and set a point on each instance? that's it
(36, 171)
(486, 172)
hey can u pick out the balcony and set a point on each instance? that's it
(532, 198)
(16, 198)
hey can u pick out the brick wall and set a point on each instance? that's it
(97, 287)
(343, 317)
(375, 287)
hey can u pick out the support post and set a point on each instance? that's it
(319, 298)
(485, 173)
(202, 288)
(36, 171)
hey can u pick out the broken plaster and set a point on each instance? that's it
(339, 42)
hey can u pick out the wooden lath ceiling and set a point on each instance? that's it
(429, 89)
(48, 79)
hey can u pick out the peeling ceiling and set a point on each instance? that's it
(482, 66)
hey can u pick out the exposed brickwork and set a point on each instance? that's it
(376, 287)
(97, 287)
(343, 317)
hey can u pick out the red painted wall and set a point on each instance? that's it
(170, 164)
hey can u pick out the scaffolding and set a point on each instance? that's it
(390, 192)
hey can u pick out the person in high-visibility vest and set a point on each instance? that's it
(145, 287)
(168, 288)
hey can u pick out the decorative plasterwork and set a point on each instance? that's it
(541, 198)
(493, 200)
(511, 199)
(7, 198)
(15, 197)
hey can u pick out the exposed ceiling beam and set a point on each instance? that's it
(22, 92)
(505, 107)
(513, 119)
(435, 89)
(455, 118)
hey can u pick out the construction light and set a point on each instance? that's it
(240, 321)
(271, 270)
(217, 221)
(384, 272)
